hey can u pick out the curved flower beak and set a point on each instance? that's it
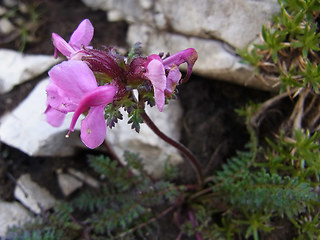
(188, 56)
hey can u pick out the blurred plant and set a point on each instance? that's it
(24, 21)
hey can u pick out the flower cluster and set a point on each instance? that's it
(97, 83)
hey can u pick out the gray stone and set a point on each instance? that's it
(154, 151)
(12, 214)
(130, 11)
(146, 4)
(33, 196)
(215, 59)
(213, 28)
(68, 184)
(84, 177)
(17, 67)
(236, 22)
(6, 26)
(10, 3)
(3, 11)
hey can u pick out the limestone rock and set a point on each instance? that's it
(32, 195)
(215, 59)
(10, 3)
(6, 26)
(3, 11)
(27, 130)
(128, 10)
(73, 180)
(68, 184)
(12, 214)
(236, 22)
(154, 151)
(84, 177)
(214, 28)
(17, 67)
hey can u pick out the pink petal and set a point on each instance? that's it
(93, 127)
(82, 35)
(54, 117)
(101, 96)
(57, 99)
(74, 78)
(173, 79)
(157, 76)
(159, 99)
(61, 45)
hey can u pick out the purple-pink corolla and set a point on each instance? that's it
(165, 75)
(73, 88)
(81, 37)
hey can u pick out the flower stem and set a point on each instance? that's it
(192, 159)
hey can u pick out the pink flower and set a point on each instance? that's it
(73, 88)
(165, 74)
(82, 36)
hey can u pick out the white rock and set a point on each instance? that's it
(68, 184)
(160, 20)
(3, 10)
(17, 67)
(154, 151)
(98, 4)
(141, 33)
(115, 16)
(31, 195)
(10, 3)
(215, 60)
(236, 22)
(26, 128)
(131, 10)
(6, 26)
(12, 214)
(84, 177)
(213, 28)
(146, 4)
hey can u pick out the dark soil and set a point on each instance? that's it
(212, 129)
(210, 126)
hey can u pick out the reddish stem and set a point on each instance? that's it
(192, 159)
